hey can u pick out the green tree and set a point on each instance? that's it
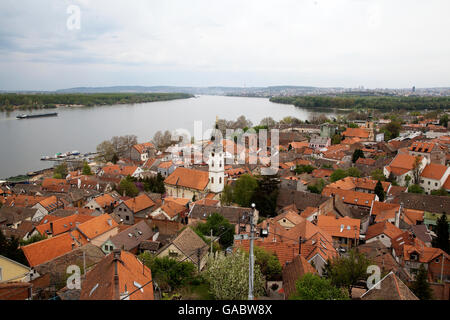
(440, 192)
(220, 227)
(407, 180)
(313, 287)
(353, 125)
(391, 130)
(442, 240)
(353, 172)
(357, 154)
(338, 174)
(336, 139)
(227, 195)
(379, 191)
(268, 263)
(415, 188)
(443, 121)
(60, 171)
(304, 168)
(243, 190)
(228, 277)
(86, 169)
(169, 273)
(317, 187)
(347, 271)
(265, 196)
(420, 287)
(128, 187)
(378, 174)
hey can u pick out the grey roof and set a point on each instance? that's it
(232, 214)
(428, 203)
(150, 245)
(139, 232)
(11, 215)
(189, 242)
(421, 231)
(390, 288)
(300, 199)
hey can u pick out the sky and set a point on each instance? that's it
(324, 43)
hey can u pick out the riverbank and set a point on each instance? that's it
(16, 101)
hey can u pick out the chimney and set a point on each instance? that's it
(51, 227)
(73, 245)
(116, 258)
(110, 222)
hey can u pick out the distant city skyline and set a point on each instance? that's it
(48, 46)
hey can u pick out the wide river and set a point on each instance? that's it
(23, 142)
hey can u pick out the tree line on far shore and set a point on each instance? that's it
(12, 101)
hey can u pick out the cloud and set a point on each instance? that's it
(376, 43)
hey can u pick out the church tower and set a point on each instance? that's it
(216, 162)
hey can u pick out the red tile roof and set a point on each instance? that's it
(385, 228)
(434, 171)
(97, 226)
(139, 203)
(48, 249)
(343, 227)
(188, 178)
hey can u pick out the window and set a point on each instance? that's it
(436, 260)
(220, 180)
(435, 184)
(127, 218)
(212, 179)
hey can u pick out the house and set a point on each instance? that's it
(187, 246)
(364, 134)
(432, 152)
(234, 215)
(292, 272)
(187, 183)
(383, 231)
(48, 249)
(61, 225)
(120, 171)
(427, 203)
(119, 276)
(142, 152)
(396, 214)
(166, 168)
(352, 198)
(171, 210)
(433, 177)
(12, 271)
(96, 230)
(344, 231)
(404, 165)
(55, 185)
(414, 253)
(302, 200)
(389, 288)
(102, 204)
(318, 142)
(16, 291)
(138, 207)
(359, 184)
(47, 206)
(129, 239)
(14, 216)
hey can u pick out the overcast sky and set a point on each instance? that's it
(374, 43)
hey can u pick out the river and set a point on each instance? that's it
(23, 142)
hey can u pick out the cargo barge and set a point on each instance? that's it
(30, 116)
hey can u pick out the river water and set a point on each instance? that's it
(23, 142)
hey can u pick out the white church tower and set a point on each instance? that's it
(216, 163)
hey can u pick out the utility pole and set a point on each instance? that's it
(84, 264)
(198, 258)
(251, 260)
(211, 242)
(442, 266)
